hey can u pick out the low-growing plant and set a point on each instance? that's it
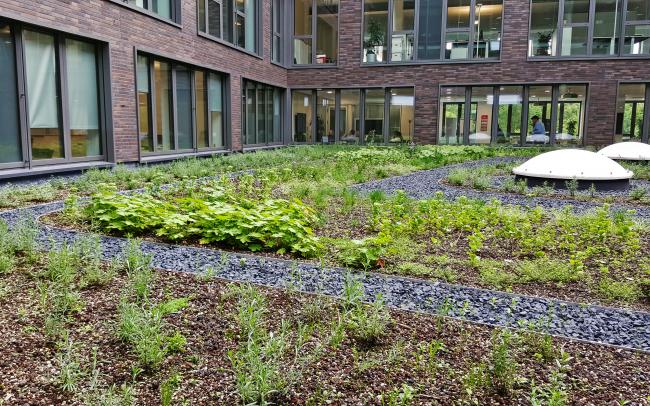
(502, 367)
(70, 371)
(638, 193)
(402, 396)
(168, 389)
(368, 324)
(619, 290)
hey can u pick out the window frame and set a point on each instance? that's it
(276, 10)
(102, 73)
(176, 19)
(259, 33)
(645, 128)
(313, 37)
(151, 58)
(624, 23)
(257, 86)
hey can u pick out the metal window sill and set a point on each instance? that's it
(171, 157)
(45, 170)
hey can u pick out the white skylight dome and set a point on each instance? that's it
(627, 151)
(573, 164)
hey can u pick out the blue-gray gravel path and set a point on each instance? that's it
(619, 327)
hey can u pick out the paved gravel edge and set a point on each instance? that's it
(619, 327)
(425, 184)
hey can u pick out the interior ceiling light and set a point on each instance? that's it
(627, 151)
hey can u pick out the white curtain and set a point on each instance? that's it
(40, 65)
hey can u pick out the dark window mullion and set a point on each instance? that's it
(646, 115)
(63, 101)
(22, 95)
(467, 115)
(314, 29)
(495, 115)
(555, 95)
(174, 107)
(524, 116)
(152, 104)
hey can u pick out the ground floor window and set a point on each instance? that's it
(262, 114)
(180, 108)
(512, 114)
(353, 116)
(61, 117)
(631, 121)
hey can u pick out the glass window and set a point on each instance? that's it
(262, 114)
(630, 111)
(574, 40)
(349, 116)
(510, 113)
(638, 10)
(203, 141)
(458, 14)
(457, 45)
(302, 111)
(184, 108)
(83, 98)
(43, 95)
(375, 31)
(487, 37)
(402, 118)
(570, 113)
(302, 10)
(261, 135)
(302, 51)
(325, 116)
(277, 116)
(429, 29)
(539, 114)
(327, 31)
(251, 114)
(276, 31)
(144, 105)
(481, 115)
(452, 115)
(215, 102)
(232, 21)
(543, 28)
(374, 117)
(163, 106)
(163, 8)
(10, 139)
(214, 18)
(606, 27)
(637, 40)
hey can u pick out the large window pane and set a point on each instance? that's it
(606, 27)
(327, 31)
(43, 96)
(487, 37)
(403, 15)
(576, 11)
(481, 116)
(637, 40)
(458, 14)
(429, 29)
(10, 141)
(162, 8)
(184, 107)
(163, 100)
(543, 28)
(539, 114)
(277, 115)
(457, 45)
(375, 31)
(638, 10)
(452, 115)
(201, 108)
(251, 25)
(325, 116)
(302, 111)
(302, 17)
(349, 116)
(261, 116)
(570, 113)
(630, 110)
(251, 114)
(144, 106)
(214, 18)
(402, 47)
(401, 120)
(574, 41)
(302, 51)
(228, 27)
(510, 111)
(83, 98)
(374, 118)
(215, 97)
(269, 114)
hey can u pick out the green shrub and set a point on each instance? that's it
(545, 270)
(363, 254)
(617, 290)
(368, 323)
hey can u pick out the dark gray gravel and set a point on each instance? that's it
(620, 327)
(426, 184)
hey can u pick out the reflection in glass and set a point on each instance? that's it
(302, 17)
(402, 119)
(43, 96)
(637, 40)
(250, 25)
(10, 141)
(638, 10)
(429, 29)
(184, 107)
(163, 102)
(375, 31)
(576, 11)
(144, 88)
(83, 98)
(540, 105)
(510, 111)
(251, 114)
(458, 14)
(457, 45)
(630, 110)
(543, 28)
(487, 37)
(402, 47)
(574, 41)
(349, 116)
(261, 136)
(215, 101)
(480, 126)
(325, 116)
(302, 111)
(277, 115)
(570, 114)
(452, 115)
(374, 118)
(203, 140)
(214, 18)
(607, 23)
(327, 31)
(162, 7)
(302, 51)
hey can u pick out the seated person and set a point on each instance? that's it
(539, 131)
(351, 137)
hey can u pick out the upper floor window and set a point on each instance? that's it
(168, 9)
(410, 30)
(315, 31)
(276, 30)
(233, 21)
(570, 28)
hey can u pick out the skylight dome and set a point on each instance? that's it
(627, 151)
(558, 167)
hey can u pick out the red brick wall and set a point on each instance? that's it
(601, 75)
(125, 29)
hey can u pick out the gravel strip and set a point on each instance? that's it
(620, 327)
(426, 184)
